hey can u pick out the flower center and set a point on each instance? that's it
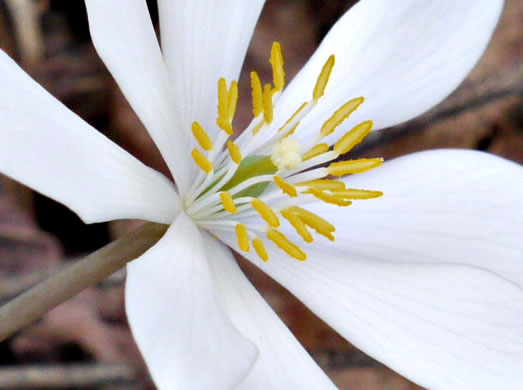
(245, 186)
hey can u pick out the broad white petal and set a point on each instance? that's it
(124, 37)
(185, 336)
(282, 363)
(425, 278)
(441, 206)
(443, 326)
(47, 147)
(403, 57)
(203, 41)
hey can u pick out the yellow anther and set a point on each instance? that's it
(258, 127)
(223, 120)
(257, 243)
(232, 101)
(228, 202)
(324, 184)
(353, 166)
(243, 237)
(234, 152)
(266, 213)
(352, 193)
(267, 103)
(201, 136)
(257, 95)
(283, 243)
(353, 137)
(298, 224)
(293, 116)
(310, 219)
(285, 187)
(340, 115)
(278, 72)
(328, 198)
(223, 99)
(316, 150)
(201, 161)
(323, 78)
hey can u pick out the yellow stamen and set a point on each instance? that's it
(328, 198)
(352, 193)
(340, 115)
(316, 150)
(234, 152)
(257, 99)
(266, 213)
(283, 243)
(201, 161)
(353, 166)
(223, 99)
(228, 202)
(267, 103)
(201, 136)
(285, 187)
(257, 243)
(223, 120)
(258, 127)
(324, 184)
(232, 101)
(312, 220)
(243, 237)
(353, 137)
(298, 224)
(278, 72)
(293, 116)
(323, 78)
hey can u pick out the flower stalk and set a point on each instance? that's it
(38, 300)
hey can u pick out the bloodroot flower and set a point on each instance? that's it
(417, 261)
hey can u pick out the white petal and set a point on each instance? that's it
(425, 278)
(124, 38)
(203, 41)
(441, 206)
(283, 363)
(48, 148)
(443, 326)
(185, 336)
(403, 57)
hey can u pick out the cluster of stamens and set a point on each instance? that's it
(245, 178)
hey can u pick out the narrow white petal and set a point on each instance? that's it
(403, 57)
(124, 38)
(48, 148)
(424, 279)
(203, 41)
(282, 363)
(186, 338)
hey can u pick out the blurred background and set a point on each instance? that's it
(85, 343)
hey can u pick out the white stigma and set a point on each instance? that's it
(286, 154)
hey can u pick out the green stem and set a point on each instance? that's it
(35, 302)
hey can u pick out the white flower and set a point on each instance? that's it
(427, 278)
